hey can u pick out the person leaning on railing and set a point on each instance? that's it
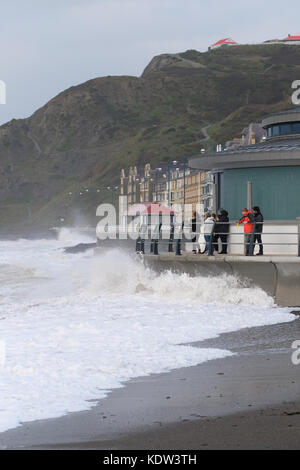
(248, 221)
(221, 231)
(194, 230)
(259, 221)
(209, 221)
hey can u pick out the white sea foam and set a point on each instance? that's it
(77, 326)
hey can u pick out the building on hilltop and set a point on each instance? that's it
(253, 134)
(290, 39)
(250, 135)
(272, 41)
(223, 42)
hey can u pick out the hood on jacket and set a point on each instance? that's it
(223, 212)
(245, 213)
(256, 209)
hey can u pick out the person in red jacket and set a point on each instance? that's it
(248, 221)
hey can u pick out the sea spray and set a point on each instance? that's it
(2, 354)
(116, 272)
(77, 326)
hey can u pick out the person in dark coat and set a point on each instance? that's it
(221, 231)
(259, 222)
(194, 230)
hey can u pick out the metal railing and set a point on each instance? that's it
(177, 237)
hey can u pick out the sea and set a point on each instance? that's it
(73, 327)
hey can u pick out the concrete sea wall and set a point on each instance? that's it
(279, 276)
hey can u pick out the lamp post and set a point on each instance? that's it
(134, 191)
(165, 187)
(184, 168)
(168, 184)
(92, 191)
(146, 180)
(157, 170)
(174, 162)
(184, 186)
(249, 195)
(115, 188)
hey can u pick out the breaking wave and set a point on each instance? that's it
(79, 325)
(116, 272)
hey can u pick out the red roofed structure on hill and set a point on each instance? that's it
(224, 42)
(293, 37)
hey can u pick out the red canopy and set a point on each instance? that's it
(149, 208)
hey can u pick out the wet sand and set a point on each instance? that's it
(250, 400)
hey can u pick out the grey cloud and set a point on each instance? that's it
(48, 46)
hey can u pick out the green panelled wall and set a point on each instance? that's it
(275, 190)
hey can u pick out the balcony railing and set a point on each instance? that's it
(178, 239)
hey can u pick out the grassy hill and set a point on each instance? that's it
(83, 137)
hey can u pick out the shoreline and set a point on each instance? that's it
(185, 408)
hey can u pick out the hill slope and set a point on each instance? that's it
(83, 137)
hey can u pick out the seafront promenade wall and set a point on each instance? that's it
(279, 276)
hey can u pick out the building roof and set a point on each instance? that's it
(224, 42)
(293, 37)
(288, 111)
(148, 208)
(266, 154)
(267, 146)
(290, 115)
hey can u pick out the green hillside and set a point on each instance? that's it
(83, 137)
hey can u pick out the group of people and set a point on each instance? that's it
(215, 227)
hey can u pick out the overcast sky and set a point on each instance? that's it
(50, 45)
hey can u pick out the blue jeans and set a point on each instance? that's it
(207, 242)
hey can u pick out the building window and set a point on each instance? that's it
(285, 129)
(296, 128)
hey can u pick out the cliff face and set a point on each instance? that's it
(84, 136)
